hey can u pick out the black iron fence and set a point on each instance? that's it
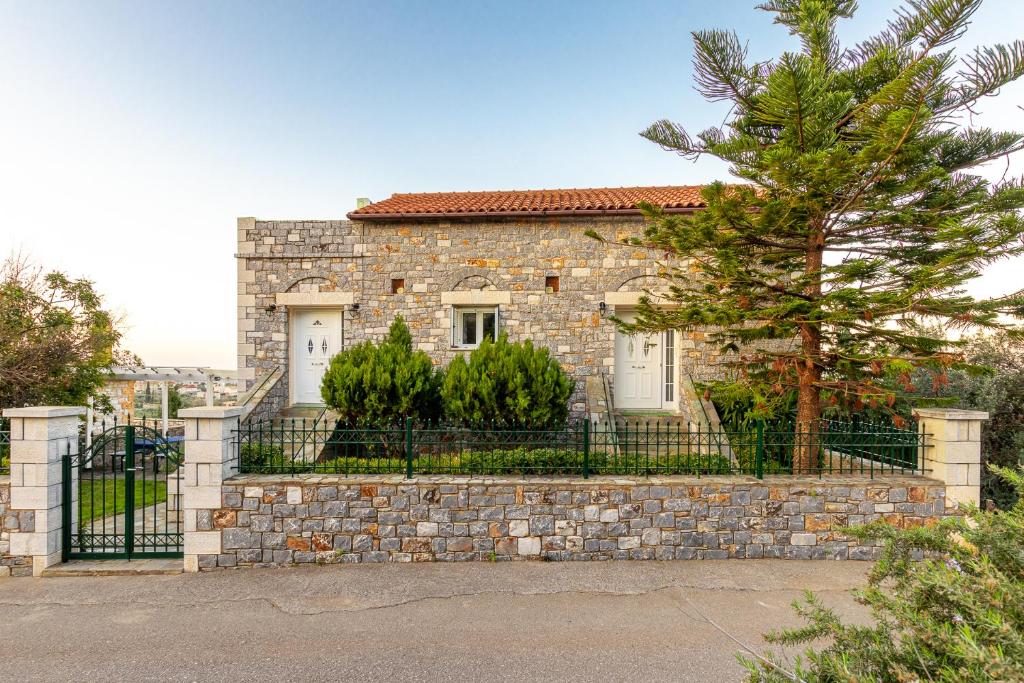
(5, 446)
(631, 448)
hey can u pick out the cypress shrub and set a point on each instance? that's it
(507, 385)
(373, 385)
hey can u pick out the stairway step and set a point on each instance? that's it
(300, 411)
(141, 567)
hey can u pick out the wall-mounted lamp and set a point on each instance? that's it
(354, 308)
(271, 309)
(603, 307)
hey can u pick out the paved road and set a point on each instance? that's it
(647, 621)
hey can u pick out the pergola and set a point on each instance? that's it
(164, 375)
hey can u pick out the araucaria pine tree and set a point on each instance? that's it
(859, 214)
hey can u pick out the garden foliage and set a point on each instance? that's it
(955, 617)
(57, 340)
(860, 209)
(505, 384)
(379, 384)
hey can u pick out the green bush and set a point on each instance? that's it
(256, 456)
(523, 461)
(507, 384)
(957, 616)
(371, 384)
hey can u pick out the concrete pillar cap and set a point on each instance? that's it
(210, 412)
(45, 411)
(950, 414)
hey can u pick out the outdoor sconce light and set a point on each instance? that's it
(270, 309)
(603, 307)
(354, 308)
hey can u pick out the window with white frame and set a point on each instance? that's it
(471, 325)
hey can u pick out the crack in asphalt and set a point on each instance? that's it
(280, 603)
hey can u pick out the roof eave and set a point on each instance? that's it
(541, 213)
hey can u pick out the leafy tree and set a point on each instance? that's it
(56, 339)
(860, 215)
(507, 384)
(998, 389)
(372, 385)
(1000, 392)
(175, 401)
(955, 617)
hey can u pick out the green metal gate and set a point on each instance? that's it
(122, 496)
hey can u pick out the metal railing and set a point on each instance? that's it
(5, 446)
(584, 448)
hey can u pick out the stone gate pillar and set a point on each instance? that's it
(952, 451)
(40, 438)
(210, 458)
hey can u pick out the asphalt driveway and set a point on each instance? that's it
(651, 621)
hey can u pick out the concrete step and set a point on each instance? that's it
(140, 567)
(301, 412)
(643, 420)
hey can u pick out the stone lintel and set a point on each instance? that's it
(632, 299)
(315, 299)
(476, 297)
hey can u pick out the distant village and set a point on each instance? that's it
(133, 394)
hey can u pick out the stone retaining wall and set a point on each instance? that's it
(12, 565)
(272, 520)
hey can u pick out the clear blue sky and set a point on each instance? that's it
(133, 134)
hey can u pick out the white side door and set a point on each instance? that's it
(316, 339)
(638, 369)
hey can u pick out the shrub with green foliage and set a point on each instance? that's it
(523, 461)
(507, 384)
(257, 456)
(377, 384)
(955, 617)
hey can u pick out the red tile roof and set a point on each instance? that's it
(527, 203)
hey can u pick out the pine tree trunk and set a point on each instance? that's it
(808, 404)
(808, 413)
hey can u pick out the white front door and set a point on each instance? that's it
(316, 338)
(638, 369)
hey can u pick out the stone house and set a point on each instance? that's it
(461, 266)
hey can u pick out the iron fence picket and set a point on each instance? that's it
(5, 445)
(579, 449)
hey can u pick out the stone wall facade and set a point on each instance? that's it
(433, 258)
(121, 394)
(268, 399)
(12, 521)
(273, 520)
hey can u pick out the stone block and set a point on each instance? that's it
(802, 539)
(529, 546)
(628, 542)
(203, 543)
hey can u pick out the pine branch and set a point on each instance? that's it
(720, 69)
(985, 71)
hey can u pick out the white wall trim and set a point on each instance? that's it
(315, 299)
(477, 297)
